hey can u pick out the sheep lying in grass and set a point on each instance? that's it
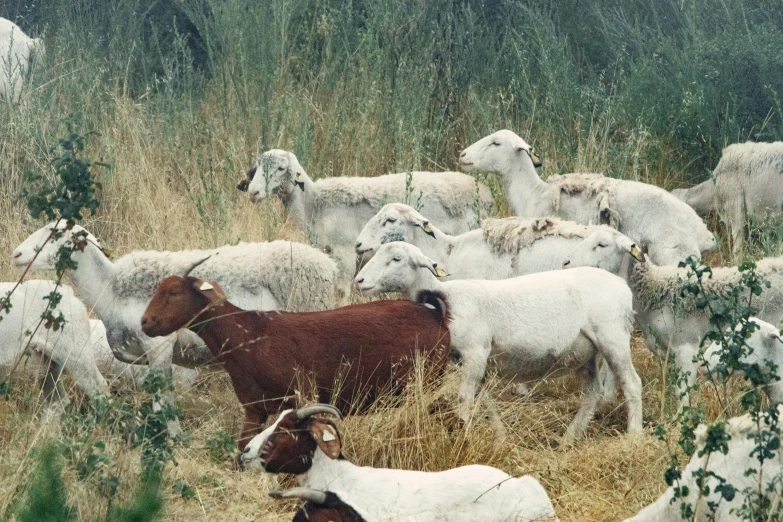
(731, 466)
(333, 210)
(748, 184)
(264, 276)
(500, 249)
(129, 374)
(701, 197)
(310, 446)
(669, 322)
(15, 51)
(767, 351)
(66, 349)
(665, 227)
(521, 322)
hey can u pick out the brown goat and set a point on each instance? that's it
(352, 353)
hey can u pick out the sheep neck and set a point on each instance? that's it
(424, 280)
(438, 248)
(524, 189)
(301, 203)
(93, 277)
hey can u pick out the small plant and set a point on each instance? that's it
(222, 447)
(47, 500)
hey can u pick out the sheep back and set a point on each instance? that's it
(597, 186)
(510, 235)
(296, 274)
(454, 191)
(749, 173)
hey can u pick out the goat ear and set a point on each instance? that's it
(327, 437)
(209, 289)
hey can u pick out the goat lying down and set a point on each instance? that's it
(354, 353)
(306, 444)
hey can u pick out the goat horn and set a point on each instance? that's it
(309, 411)
(194, 265)
(307, 494)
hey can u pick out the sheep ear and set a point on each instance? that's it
(637, 254)
(327, 437)
(534, 158)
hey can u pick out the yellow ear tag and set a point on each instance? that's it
(635, 252)
(298, 177)
(328, 437)
(440, 272)
(206, 286)
(427, 228)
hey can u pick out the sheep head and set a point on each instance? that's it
(394, 222)
(500, 152)
(46, 242)
(396, 267)
(277, 173)
(177, 302)
(606, 248)
(288, 445)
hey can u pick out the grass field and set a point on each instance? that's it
(650, 92)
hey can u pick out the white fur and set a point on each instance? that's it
(65, 350)
(502, 248)
(15, 48)
(765, 346)
(731, 466)
(333, 210)
(669, 322)
(261, 276)
(748, 183)
(661, 224)
(701, 197)
(533, 326)
(465, 494)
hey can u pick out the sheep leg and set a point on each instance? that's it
(591, 388)
(608, 385)
(474, 365)
(622, 367)
(683, 359)
(81, 367)
(54, 392)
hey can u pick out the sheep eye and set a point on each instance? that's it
(495, 144)
(280, 168)
(601, 245)
(397, 259)
(390, 220)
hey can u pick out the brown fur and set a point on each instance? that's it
(353, 352)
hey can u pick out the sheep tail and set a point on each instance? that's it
(436, 300)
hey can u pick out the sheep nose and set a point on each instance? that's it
(17, 254)
(358, 280)
(566, 263)
(358, 245)
(462, 154)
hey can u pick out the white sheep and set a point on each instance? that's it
(669, 322)
(665, 227)
(748, 184)
(732, 467)
(500, 249)
(130, 374)
(66, 349)
(310, 447)
(701, 197)
(333, 210)
(765, 347)
(15, 49)
(534, 326)
(261, 276)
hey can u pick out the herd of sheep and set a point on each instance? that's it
(557, 289)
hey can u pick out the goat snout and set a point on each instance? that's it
(147, 322)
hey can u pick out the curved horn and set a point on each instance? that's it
(194, 265)
(309, 411)
(310, 495)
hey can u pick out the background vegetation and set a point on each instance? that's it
(185, 93)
